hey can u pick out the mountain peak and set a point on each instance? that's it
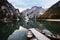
(36, 7)
(34, 11)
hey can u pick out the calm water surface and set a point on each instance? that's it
(8, 31)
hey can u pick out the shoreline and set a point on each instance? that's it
(49, 19)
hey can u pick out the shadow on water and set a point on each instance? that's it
(6, 29)
(54, 27)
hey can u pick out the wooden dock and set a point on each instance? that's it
(39, 35)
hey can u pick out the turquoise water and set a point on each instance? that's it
(7, 29)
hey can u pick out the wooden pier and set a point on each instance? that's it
(34, 34)
(39, 35)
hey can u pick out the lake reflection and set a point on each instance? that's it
(18, 35)
(54, 27)
(7, 29)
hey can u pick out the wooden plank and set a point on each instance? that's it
(39, 35)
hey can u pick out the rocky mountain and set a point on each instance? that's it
(34, 11)
(7, 11)
(53, 12)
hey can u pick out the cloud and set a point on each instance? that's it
(23, 4)
(48, 3)
(22, 8)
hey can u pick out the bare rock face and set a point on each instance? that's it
(35, 11)
(7, 11)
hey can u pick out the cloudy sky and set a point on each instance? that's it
(24, 4)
